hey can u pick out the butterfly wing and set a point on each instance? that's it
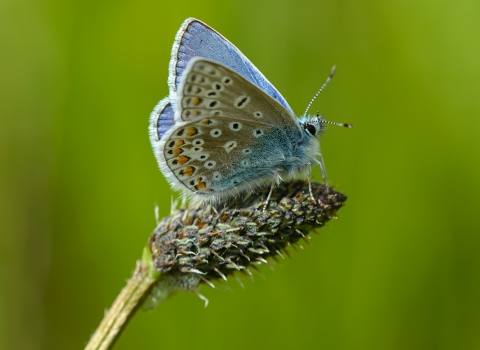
(196, 39)
(162, 118)
(232, 135)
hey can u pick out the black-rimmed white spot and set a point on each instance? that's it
(197, 149)
(235, 126)
(216, 175)
(258, 114)
(217, 113)
(258, 132)
(247, 151)
(241, 101)
(215, 132)
(202, 156)
(227, 80)
(198, 142)
(210, 164)
(230, 145)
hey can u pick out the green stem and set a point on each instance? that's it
(125, 306)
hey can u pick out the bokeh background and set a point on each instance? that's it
(400, 267)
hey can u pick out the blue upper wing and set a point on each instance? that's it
(161, 120)
(196, 39)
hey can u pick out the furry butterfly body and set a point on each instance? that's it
(224, 129)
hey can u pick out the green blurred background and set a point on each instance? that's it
(400, 267)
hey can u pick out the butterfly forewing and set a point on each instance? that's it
(197, 39)
(209, 89)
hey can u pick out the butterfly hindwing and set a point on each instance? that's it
(209, 156)
(162, 118)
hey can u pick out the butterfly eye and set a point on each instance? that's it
(311, 129)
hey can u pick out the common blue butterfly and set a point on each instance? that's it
(224, 129)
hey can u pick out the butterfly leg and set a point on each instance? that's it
(276, 178)
(269, 196)
(322, 168)
(310, 180)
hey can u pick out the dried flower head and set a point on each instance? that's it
(203, 243)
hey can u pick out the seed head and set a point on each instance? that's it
(202, 243)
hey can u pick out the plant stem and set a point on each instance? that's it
(200, 244)
(125, 306)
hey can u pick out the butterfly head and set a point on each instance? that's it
(315, 125)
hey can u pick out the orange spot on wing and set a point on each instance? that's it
(196, 101)
(179, 143)
(183, 159)
(201, 186)
(192, 113)
(177, 151)
(206, 122)
(189, 170)
(191, 131)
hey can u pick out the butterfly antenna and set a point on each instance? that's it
(330, 76)
(321, 120)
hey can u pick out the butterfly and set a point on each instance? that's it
(224, 129)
